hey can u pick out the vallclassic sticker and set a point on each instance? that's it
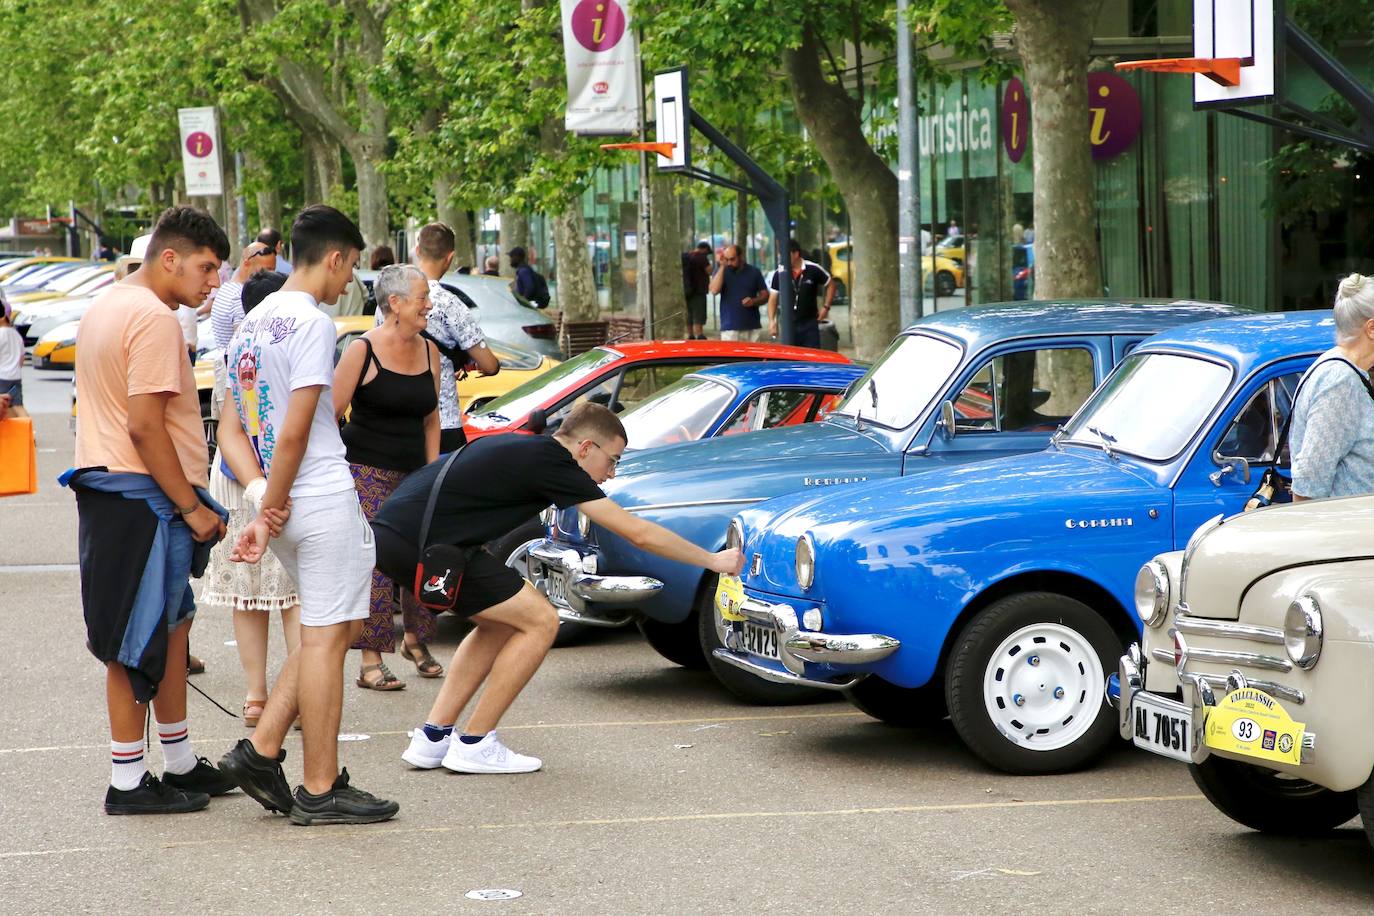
(1251, 723)
(729, 597)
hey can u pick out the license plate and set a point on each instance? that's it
(1162, 726)
(555, 585)
(760, 641)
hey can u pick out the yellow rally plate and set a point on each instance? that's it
(729, 597)
(1251, 723)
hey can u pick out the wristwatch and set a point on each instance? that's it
(189, 509)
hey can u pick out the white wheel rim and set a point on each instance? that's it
(1042, 686)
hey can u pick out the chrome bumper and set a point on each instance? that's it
(1198, 695)
(543, 564)
(797, 647)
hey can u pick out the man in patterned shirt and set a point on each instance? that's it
(452, 325)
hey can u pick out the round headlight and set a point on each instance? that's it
(584, 525)
(1152, 592)
(806, 561)
(1302, 631)
(734, 535)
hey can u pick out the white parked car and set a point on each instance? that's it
(1256, 667)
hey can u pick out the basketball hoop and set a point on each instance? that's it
(663, 149)
(1224, 71)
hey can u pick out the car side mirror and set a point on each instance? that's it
(946, 422)
(1227, 466)
(538, 421)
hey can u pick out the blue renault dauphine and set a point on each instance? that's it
(1002, 592)
(1013, 372)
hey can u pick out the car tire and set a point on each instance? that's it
(745, 686)
(990, 697)
(900, 707)
(1271, 803)
(677, 642)
(944, 283)
(505, 547)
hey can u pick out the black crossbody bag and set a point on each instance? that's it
(439, 571)
(1274, 488)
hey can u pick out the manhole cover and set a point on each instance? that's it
(495, 893)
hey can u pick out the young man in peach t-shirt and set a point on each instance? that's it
(141, 472)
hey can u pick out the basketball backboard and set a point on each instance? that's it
(672, 119)
(1247, 30)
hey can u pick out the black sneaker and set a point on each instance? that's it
(260, 777)
(342, 804)
(153, 797)
(202, 778)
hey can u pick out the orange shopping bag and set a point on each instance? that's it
(18, 457)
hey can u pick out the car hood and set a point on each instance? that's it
(969, 508)
(752, 466)
(1228, 559)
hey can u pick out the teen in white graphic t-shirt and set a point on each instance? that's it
(281, 366)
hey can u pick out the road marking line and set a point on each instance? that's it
(653, 819)
(504, 728)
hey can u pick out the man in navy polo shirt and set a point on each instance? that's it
(741, 290)
(808, 280)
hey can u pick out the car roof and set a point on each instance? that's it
(978, 325)
(1253, 339)
(810, 374)
(670, 349)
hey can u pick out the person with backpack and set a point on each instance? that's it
(529, 283)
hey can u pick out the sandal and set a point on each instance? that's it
(252, 712)
(425, 664)
(387, 680)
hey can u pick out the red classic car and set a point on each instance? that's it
(618, 376)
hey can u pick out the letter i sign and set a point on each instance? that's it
(199, 144)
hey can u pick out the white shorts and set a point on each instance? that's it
(754, 336)
(327, 549)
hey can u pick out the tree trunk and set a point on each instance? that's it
(576, 287)
(268, 199)
(869, 189)
(515, 233)
(373, 213)
(458, 219)
(1053, 38)
(667, 244)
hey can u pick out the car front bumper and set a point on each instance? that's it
(797, 648)
(567, 577)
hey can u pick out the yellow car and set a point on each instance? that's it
(12, 267)
(945, 273)
(79, 281)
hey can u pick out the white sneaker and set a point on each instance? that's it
(424, 753)
(488, 756)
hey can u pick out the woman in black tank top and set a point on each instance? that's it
(388, 383)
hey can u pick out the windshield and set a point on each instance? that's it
(71, 279)
(682, 412)
(537, 391)
(903, 382)
(1150, 406)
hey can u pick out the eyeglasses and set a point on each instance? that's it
(615, 459)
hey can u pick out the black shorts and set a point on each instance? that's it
(696, 308)
(486, 582)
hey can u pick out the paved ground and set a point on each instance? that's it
(660, 795)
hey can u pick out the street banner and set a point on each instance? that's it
(603, 67)
(200, 151)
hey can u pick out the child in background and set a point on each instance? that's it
(11, 361)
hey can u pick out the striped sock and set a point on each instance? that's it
(178, 755)
(126, 764)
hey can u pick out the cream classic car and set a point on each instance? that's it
(1256, 667)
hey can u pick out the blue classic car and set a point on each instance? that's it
(1010, 373)
(1003, 591)
(737, 398)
